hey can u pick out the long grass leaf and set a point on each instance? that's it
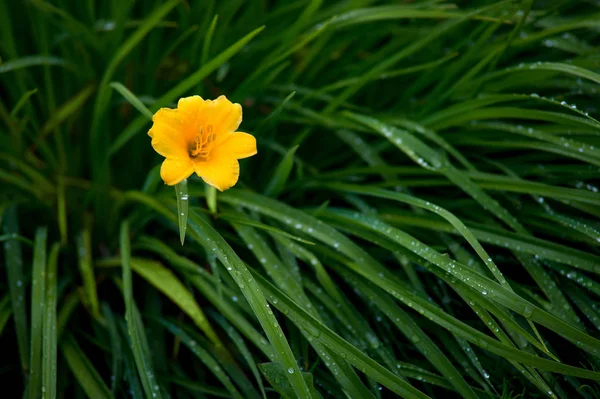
(135, 328)
(85, 373)
(38, 306)
(13, 256)
(50, 343)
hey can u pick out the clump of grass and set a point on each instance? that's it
(422, 219)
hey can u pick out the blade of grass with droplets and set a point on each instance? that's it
(543, 66)
(240, 344)
(228, 366)
(212, 241)
(375, 271)
(481, 304)
(16, 283)
(516, 113)
(416, 149)
(83, 370)
(343, 307)
(417, 336)
(242, 219)
(498, 237)
(38, 299)
(472, 301)
(460, 227)
(293, 288)
(205, 357)
(116, 347)
(255, 298)
(330, 339)
(181, 193)
(275, 374)
(492, 99)
(476, 281)
(468, 333)
(135, 328)
(49, 358)
(399, 138)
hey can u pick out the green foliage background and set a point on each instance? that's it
(421, 220)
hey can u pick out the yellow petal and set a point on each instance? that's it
(225, 116)
(239, 145)
(168, 134)
(174, 171)
(221, 171)
(191, 106)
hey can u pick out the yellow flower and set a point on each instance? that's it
(200, 136)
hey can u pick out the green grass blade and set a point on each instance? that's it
(29, 61)
(132, 99)
(240, 344)
(49, 357)
(275, 374)
(166, 282)
(416, 335)
(277, 183)
(135, 328)
(205, 357)
(72, 106)
(83, 370)
(330, 339)
(38, 306)
(86, 268)
(22, 101)
(13, 257)
(182, 196)
(116, 347)
(208, 40)
(5, 312)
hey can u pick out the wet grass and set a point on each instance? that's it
(422, 218)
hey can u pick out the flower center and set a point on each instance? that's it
(202, 144)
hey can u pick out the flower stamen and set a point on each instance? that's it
(203, 143)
